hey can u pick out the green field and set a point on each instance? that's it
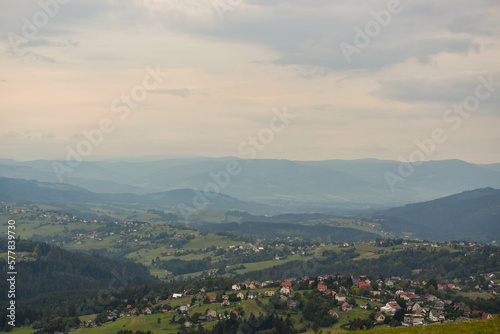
(476, 327)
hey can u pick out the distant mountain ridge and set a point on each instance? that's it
(13, 190)
(470, 215)
(310, 185)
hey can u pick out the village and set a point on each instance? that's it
(392, 301)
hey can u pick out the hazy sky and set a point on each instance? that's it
(67, 68)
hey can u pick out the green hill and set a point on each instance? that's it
(52, 269)
(471, 215)
(474, 327)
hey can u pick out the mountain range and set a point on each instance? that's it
(470, 215)
(57, 194)
(292, 185)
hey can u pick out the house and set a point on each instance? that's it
(225, 297)
(166, 308)
(364, 306)
(436, 315)
(211, 313)
(236, 287)
(439, 304)
(184, 308)
(285, 290)
(148, 311)
(241, 295)
(291, 304)
(340, 297)
(379, 317)
(408, 296)
(418, 319)
(375, 293)
(188, 324)
(476, 314)
(287, 284)
(490, 276)
(252, 295)
(431, 298)
(176, 295)
(464, 308)
(212, 299)
(266, 283)
(269, 293)
(255, 284)
(333, 314)
(364, 285)
(225, 302)
(413, 307)
(487, 316)
(413, 319)
(391, 308)
(346, 307)
(322, 287)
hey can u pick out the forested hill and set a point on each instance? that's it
(471, 215)
(320, 232)
(49, 269)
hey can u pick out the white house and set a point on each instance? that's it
(391, 307)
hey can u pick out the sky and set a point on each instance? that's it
(299, 80)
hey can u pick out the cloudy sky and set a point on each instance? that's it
(363, 79)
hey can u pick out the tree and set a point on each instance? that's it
(432, 282)
(399, 315)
